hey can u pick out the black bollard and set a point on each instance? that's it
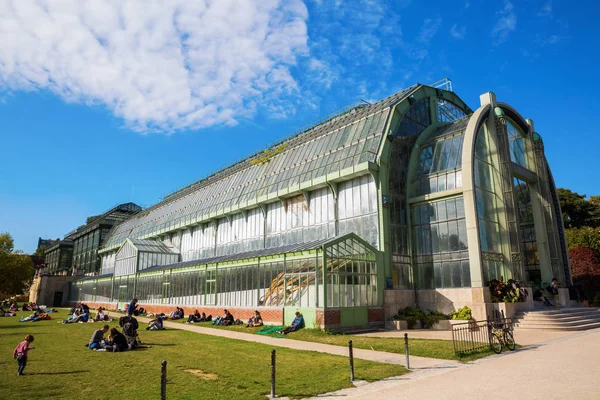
(406, 350)
(273, 374)
(163, 380)
(351, 361)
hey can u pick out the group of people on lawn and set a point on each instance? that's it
(128, 339)
(81, 313)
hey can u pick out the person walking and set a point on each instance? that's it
(20, 353)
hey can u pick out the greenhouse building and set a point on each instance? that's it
(416, 200)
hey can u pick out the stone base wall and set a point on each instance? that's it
(393, 300)
(44, 287)
(273, 316)
(448, 300)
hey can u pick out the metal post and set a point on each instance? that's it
(163, 380)
(351, 361)
(273, 356)
(406, 350)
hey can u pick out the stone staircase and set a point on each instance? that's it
(564, 319)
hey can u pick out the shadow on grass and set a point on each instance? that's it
(59, 373)
(23, 325)
(160, 344)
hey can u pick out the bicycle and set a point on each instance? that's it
(501, 335)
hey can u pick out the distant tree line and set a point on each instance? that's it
(16, 268)
(581, 216)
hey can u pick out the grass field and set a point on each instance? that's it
(199, 366)
(417, 347)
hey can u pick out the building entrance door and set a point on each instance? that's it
(58, 298)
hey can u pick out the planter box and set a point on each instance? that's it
(508, 309)
(397, 325)
(444, 325)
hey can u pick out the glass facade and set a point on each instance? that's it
(351, 274)
(489, 203)
(527, 228)
(517, 144)
(440, 163)
(440, 244)
(291, 280)
(448, 111)
(59, 258)
(416, 119)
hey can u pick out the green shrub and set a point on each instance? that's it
(431, 318)
(462, 314)
(597, 298)
(411, 315)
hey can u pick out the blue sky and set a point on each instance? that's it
(108, 103)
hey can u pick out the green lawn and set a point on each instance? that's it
(417, 347)
(61, 367)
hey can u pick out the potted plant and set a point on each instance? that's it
(412, 316)
(435, 320)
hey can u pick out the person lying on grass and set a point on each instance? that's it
(226, 319)
(36, 316)
(297, 323)
(97, 338)
(255, 320)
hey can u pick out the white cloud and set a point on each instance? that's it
(429, 29)
(551, 40)
(160, 66)
(546, 11)
(506, 24)
(458, 32)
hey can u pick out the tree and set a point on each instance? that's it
(585, 236)
(585, 265)
(16, 268)
(40, 252)
(577, 211)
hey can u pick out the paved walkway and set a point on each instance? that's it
(564, 367)
(377, 356)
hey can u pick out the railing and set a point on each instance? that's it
(472, 336)
(444, 83)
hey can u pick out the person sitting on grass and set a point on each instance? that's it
(72, 318)
(97, 338)
(195, 317)
(255, 320)
(84, 317)
(177, 314)
(101, 315)
(226, 319)
(156, 324)
(117, 342)
(297, 323)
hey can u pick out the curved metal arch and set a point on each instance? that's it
(478, 118)
(515, 116)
